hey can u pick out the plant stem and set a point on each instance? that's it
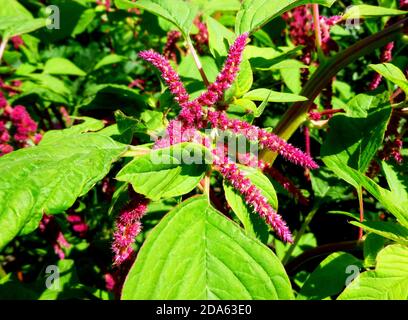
(197, 62)
(316, 23)
(207, 184)
(3, 47)
(361, 206)
(307, 149)
(302, 230)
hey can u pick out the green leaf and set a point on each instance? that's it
(329, 278)
(15, 19)
(365, 11)
(86, 18)
(188, 69)
(49, 178)
(109, 59)
(355, 140)
(398, 183)
(62, 66)
(261, 108)
(243, 81)
(272, 96)
(88, 125)
(256, 13)
(48, 82)
(292, 78)
(306, 242)
(167, 172)
(392, 73)
(388, 199)
(389, 230)
(389, 280)
(23, 27)
(270, 58)
(180, 13)
(12, 8)
(219, 38)
(253, 223)
(326, 187)
(197, 253)
(373, 243)
(210, 6)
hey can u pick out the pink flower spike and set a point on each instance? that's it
(128, 226)
(252, 195)
(168, 74)
(227, 75)
(266, 139)
(170, 46)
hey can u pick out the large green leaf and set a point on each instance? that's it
(392, 73)
(329, 278)
(355, 140)
(389, 280)
(180, 13)
(49, 178)
(391, 201)
(256, 13)
(196, 253)
(168, 172)
(252, 222)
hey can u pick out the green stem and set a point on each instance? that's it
(361, 206)
(316, 23)
(197, 62)
(300, 233)
(297, 113)
(3, 46)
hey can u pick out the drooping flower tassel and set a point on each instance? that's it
(128, 226)
(266, 139)
(252, 194)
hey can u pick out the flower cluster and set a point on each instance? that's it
(202, 113)
(128, 226)
(386, 56)
(17, 42)
(78, 224)
(252, 194)
(170, 46)
(17, 128)
(50, 229)
(201, 37)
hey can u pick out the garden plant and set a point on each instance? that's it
(203, 149)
